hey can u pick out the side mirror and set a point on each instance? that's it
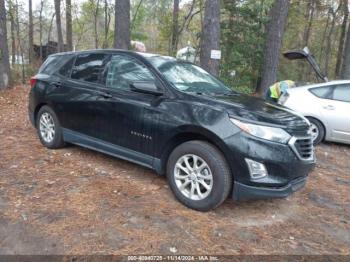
(146, 87)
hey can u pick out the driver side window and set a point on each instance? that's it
(123, 70)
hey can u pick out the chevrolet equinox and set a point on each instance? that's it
(175, 118)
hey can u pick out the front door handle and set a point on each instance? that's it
(106, 95)
(329, 107)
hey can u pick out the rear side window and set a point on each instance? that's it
(50, 65)
(325, 92)
(66, 69)
(342, 93)
(89, 67)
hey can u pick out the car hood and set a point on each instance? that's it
(254, 109)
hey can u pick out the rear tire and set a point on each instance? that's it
(198, 175)
(49, 129)
(318, 131)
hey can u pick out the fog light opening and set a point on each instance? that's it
(256, 170)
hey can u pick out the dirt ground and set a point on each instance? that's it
(76, 201)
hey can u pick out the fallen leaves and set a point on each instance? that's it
(98, 204)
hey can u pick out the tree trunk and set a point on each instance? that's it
(107, 19)
(13, 33)
(329, 43)
(41, 29)
(30, 32)
(50, 28)
(309, 18)
(210, 39)
(175, 28)
(60, 46)
(4, 52)
(340, 56)
(275, 30)
(69, 30)
(122, 24)
(95, 23)
(346, 64)
(19, 43)
(135, 15)
(320, 58)
(186, 22)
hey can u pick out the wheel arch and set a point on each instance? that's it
(186, 136)
(37, 109)
(321, 122)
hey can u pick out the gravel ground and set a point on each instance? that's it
(76, 201)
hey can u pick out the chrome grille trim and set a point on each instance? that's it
(305, 150)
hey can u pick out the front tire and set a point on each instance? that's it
(317, 131)
(198, 175)
(49, 129)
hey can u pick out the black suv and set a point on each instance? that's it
(175, 118)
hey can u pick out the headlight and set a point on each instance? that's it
(265, 132)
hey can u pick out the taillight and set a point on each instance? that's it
(32, 81)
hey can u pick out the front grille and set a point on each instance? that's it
(303, 147)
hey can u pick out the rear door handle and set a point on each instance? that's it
(57, 84)
(329, 107)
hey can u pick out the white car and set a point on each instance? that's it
(326, 105)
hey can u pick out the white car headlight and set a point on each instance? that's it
(274, 134)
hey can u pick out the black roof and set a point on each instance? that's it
(145, 55)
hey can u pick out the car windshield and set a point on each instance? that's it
(188, 77)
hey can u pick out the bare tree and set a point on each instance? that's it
(135, 15)
(186, 22)
(12, 32)
(50, 28)
(340, 56)
(69, 30)
(323, 39)
(275, 30)
(179, 28)
(122, 24)
(210, 39)
(346, 65)
(96, 21)
(309, 19)
(60, 46)
(30, 32)
(18, 30)
(329, 40)
(175, 28)
(41, 28)
(107, 21)
(4, 52)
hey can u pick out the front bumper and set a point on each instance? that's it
(287, 173)
(245, 192)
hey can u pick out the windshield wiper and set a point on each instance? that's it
(226, 94)
(213, 94)
(196, 93)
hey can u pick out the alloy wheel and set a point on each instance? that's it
(314, 132)
(47, 127)
(193, 177)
